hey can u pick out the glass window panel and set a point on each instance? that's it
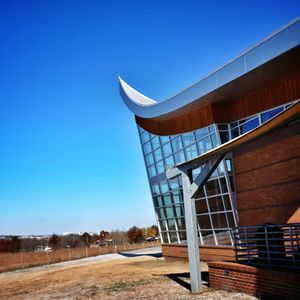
(179, 211)
(222, 126)
(155, 142)
(158, 154)
(188, 138)
(228, 165)
(171, 224)
(214, 140)
(219, 220)
(160, 167)
(205, 145)
(208, 237)
(170, 161)
(152, 171)
(161, 213)
(173, 237)
(177, 143)
(164, 186)
(233, 125)
(167, 149)
(227, 202)
(249, 125)
(211, 128)
(173, 183)
(270, 114)
(169, 212)
(204, 222)
(223, 185)
(149, 159)
(224, 136)
(167, 199)
(215, 204)
(145, 136)
(160, 201)
(223, 237)
(212, 187)
(155, 201)
(162, 225)
(191, 152)
(180, 224)
(164, 139)
(221, 169)
(235, 133)
(214, 174)
(147, 148)
(201, 206)
(155, 189)
(177, 197)
(201, 133)
(179, 157)
(230, 219)
(164, 238)
(182, 236)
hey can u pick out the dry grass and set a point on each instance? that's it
(130, 278)
(21, 260)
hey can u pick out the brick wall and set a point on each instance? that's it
(207, 253)
(278, 284)
(267, 174)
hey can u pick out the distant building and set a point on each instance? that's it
(257, 182)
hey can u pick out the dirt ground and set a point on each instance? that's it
(141, 277)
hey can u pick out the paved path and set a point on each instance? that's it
(153, 251)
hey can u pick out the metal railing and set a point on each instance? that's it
(277, 245)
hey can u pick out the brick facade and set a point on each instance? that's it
(267, 177)
(275, 284)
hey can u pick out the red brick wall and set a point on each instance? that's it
(280, 284)
(207, 253)
(267, 174)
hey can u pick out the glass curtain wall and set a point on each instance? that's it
(215, 201)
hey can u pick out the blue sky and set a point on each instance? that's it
(70, 158)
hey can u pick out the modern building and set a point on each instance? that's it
(248, 108)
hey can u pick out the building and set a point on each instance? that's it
(251, 106)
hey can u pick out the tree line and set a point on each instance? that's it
(55, 241)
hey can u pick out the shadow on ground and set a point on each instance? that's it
(184, 278)
(127, 254)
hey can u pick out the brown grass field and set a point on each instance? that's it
(21, 260)
(135, 278)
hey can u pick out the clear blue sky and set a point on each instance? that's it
(70, 158)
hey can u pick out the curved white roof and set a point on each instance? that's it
(271, 47)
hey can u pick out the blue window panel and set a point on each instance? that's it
(179, 157)
(149, 159)
(145, 136)
(201, 133)
(169, 212)
(173, 183)
(164, 139)
(177, 143)
(249, 125)
(205, 145)
(164, 186)
(169, 161)
(160, 167)
(191, 152)
(188, 139)
(270, 114)
(155, 189)
(214, 140)
(155, 142)
(152, 171)
(147, 148)
(167, 150)
(157, 154)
